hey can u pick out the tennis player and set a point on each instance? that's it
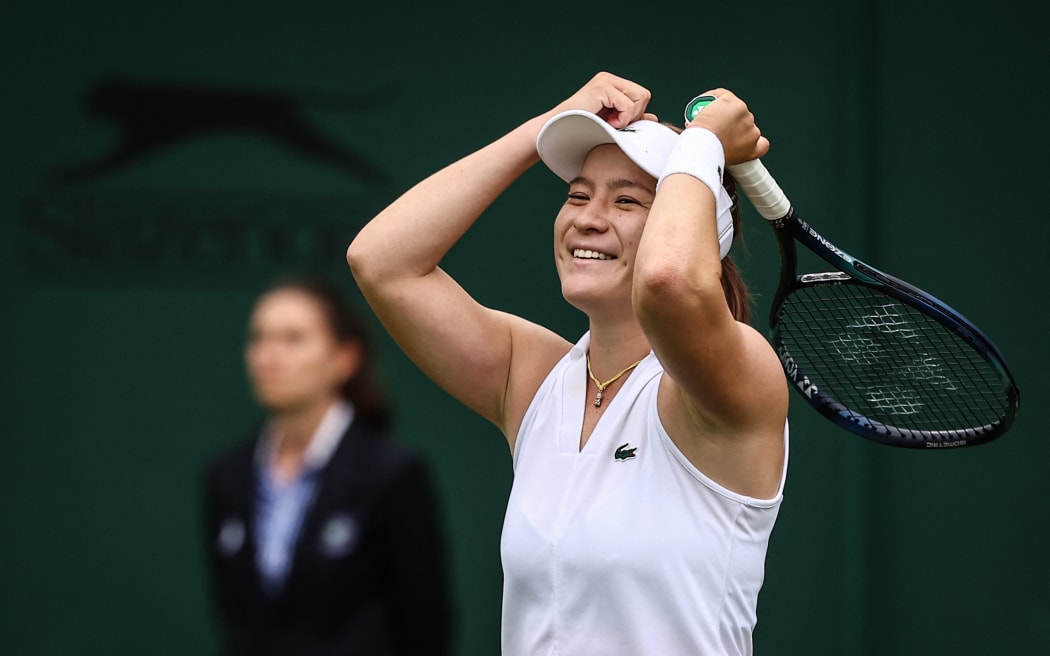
(650, 455)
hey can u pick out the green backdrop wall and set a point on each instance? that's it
(271, 132)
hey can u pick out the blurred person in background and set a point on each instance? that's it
(323, 534)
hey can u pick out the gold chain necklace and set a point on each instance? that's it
(601, 386)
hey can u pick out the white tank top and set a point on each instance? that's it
(623, 548)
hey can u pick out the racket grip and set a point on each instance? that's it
(761, 189)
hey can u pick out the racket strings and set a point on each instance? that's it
(889, 362)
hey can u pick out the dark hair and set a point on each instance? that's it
(737, 295)
(363, 389)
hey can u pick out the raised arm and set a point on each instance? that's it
(467, 349)
(724, 399)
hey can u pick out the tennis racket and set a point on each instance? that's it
(872, 353)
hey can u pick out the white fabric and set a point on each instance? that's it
(323, 442)
(698, 153)
(565, 140)
(637, 557)
(280, 508)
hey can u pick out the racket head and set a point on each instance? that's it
(875, 355)
(888, 362)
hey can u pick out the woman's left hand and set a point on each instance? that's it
(734, 125)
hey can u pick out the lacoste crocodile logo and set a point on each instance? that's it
(623, 453)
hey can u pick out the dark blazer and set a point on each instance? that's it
(368, 574)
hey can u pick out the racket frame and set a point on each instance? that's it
(769, 200)
(852, 271)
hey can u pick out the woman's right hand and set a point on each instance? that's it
(617, 100)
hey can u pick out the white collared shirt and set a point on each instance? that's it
(280, 507)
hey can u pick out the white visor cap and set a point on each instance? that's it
(566, 139)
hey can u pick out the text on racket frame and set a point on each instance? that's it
(791, 369)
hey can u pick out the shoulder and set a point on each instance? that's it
(537, 351)
(379, 454)
(734, 431)
(232, 456)
(225, 478)
(767, 374)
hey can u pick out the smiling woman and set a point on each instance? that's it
(650, 455)
(565, 143)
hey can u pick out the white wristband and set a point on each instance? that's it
(698, 152)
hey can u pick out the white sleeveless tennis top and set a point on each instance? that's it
(623, 548)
